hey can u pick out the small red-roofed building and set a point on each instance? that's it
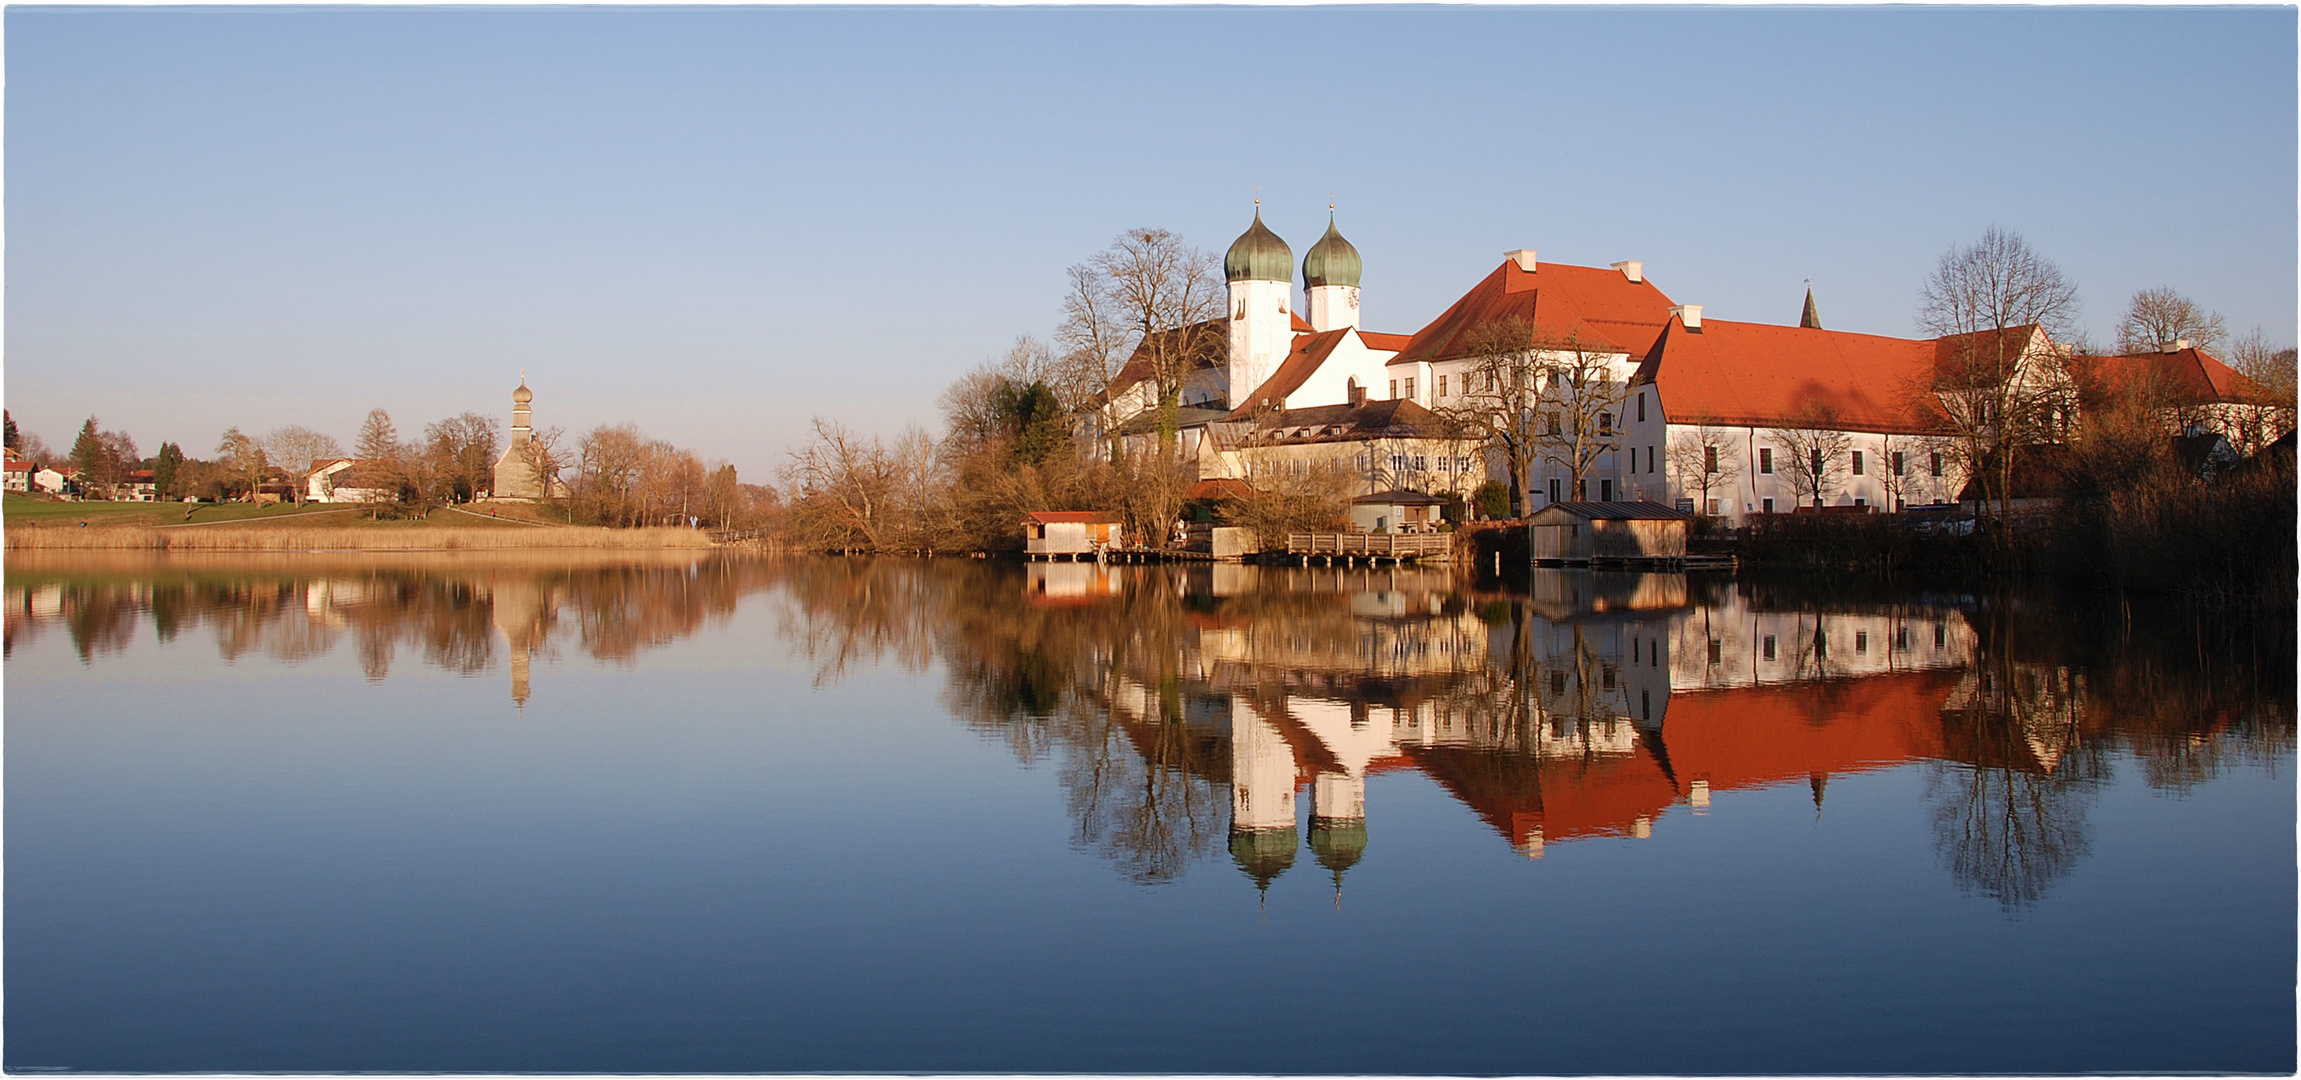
(18, 475)
(1069, 534)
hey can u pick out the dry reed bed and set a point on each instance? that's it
(269, 537)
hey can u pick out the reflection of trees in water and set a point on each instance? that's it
(455, 618)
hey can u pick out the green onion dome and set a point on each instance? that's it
(1331, 261)
(1264, 854)
(1259, 255)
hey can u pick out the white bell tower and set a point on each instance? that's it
(1330, 272)
(1260, 270)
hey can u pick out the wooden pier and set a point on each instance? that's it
(1664, 563)
(1371, 548)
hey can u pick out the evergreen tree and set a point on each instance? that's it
(164, 466)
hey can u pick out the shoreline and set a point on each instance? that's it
(288, 538)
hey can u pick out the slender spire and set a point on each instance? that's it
(1812, 319)
(1821, 783)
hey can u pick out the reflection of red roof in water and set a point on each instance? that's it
(1745, 738)
(1566, 798)
(1764, 735)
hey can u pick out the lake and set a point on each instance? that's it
(508, 812)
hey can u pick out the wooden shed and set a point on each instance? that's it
(1396, 511)
(1583, 532)
(1053, 534)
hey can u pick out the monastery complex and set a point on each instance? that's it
(1624, 373)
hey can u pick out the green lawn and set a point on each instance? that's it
(29, 510)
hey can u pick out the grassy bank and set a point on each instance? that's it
(49, 525)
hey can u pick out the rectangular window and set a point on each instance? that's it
(1861, 641)
(1581, 489)
(1821, 645)
(1605, 423)
(1766, 462)
(1606, 491)
(1897, 463)
(1713, 508)
(1857, 463)
(1937, 464)
(1717, 651)
(1489, 380)
(1641, 406)
(1410, 389)
(1769, 646)
(1769, 506)
(1649, 459)
(1394, 389)
(1709, 459)
(1421, 462)
(1937, 635)
(1553, 489)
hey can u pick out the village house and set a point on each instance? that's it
(18, 475)
(57, 480)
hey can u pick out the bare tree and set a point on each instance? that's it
(839, 485)
(1813, 444)
(1581, 407)
(466, 448)
(2252, 428)
(296, 449)
(1501, 382)
(1095, 344)
(1894, 468)
(2157, 318)
(1999, 386)
(1702, 456)
(243, 460)
(1168, 300)
(1294, 496)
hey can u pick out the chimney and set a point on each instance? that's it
(1690, 314)
(2180, 344)
(1632, 269)
(1356, 393)
(1524, 257)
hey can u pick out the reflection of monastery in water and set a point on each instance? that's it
(1590, 710)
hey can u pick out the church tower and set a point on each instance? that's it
(1260, 270)
(1330, 274)
(515, 476)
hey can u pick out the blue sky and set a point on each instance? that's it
(718, 222)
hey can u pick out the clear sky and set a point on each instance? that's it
(717, 222)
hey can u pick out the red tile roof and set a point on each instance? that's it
(1296, 322)
(1765, 376)
(1384, 342)
(1310, 350)
(2189, 377)
(1213, 348)
(1597, 306)
(1087, 517)
(23, 466)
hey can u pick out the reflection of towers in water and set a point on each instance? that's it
(1262, 832)
(522, 614)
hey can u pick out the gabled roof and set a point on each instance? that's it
(1213, 340)
(1071, 517)
(1398, 498)
(1600, 307)
(1298, 324)
(1391, 418)
(1302, 361)
(1380, 342)
(23, 466)
(1607, 511)
(1218, 488)
(1185, 417)
(329, 464)
(2187, 377)
(1758, 375)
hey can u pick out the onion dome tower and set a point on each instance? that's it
(1263, 854)
(515, 475)
(1330, 271)
(1338, 843)
(1260, 270)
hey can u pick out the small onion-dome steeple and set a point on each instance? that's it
(523, 395)
(1331, 261)
(1259, 255)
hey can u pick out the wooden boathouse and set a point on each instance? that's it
(1609, 534)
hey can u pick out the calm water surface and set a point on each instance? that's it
(533, 814)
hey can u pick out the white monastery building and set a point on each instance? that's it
(1637, 395)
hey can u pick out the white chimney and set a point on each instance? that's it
(1690, 314)
(1632, 269)
(1524, 257)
